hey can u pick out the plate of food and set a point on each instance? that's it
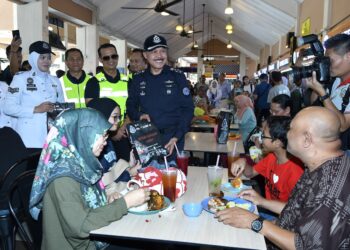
(156, 204)
(215, 204)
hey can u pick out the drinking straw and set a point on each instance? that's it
(234, 148)
(177, 150)
(166, 163)
(217, 161)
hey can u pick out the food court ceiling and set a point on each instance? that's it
(256, 22)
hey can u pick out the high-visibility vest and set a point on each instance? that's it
(74, 92)
(117, 91)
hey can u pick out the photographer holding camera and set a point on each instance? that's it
(338, 50)
(32, 94)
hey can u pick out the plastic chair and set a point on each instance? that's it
(18, 200)
(7, 225)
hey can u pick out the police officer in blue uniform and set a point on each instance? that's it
(160, 94)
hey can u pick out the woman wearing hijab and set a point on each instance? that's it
(111, 111)
(214, 94)
(32, 94)
(67, 187)
(244, 116)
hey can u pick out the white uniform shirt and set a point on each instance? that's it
(338, 93)
(28, 90)
(5, 120)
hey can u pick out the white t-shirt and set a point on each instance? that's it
(277, 90)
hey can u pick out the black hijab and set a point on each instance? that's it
(104, 105)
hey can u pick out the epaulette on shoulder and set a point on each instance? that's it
(176, 70)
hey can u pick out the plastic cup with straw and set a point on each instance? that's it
(232, 157)
(215, 174)
(169, 176)
(182, 159)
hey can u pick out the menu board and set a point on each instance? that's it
(146, 142)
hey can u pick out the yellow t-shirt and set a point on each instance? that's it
(199, 111)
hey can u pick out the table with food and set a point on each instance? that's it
(190, 217)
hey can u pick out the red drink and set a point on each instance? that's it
(182, 161)
(169, 183)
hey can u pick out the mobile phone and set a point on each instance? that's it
(15, 34)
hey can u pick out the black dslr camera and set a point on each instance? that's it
(321, 64)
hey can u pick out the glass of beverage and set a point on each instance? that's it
(169, 183)
(215, 174)
(182, 161)
(231, 157)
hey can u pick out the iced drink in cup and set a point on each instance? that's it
(231, 157)
(215, 174)
(169, 183)
(182, 161)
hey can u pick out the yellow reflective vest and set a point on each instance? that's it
(116, 91)
(74, 92)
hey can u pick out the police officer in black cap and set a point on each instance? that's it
(160, 94)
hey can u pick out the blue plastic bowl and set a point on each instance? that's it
(192, 209)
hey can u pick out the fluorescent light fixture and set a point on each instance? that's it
(229, 31)
(163, 13)
(231, 56)
(195, 44)
(228, 10)
(190, 29)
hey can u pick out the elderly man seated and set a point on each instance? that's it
(317, 214)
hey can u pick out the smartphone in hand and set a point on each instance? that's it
(15, 34)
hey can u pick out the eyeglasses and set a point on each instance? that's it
(266, 137)
(107, 58)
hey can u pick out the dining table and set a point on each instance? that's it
(206, 142)
(175, 227)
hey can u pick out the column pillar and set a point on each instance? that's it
(32, 21)
(242, 66)
(87, 42)
(122, 49)
(200, 65)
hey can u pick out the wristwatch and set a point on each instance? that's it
(324, 97)
(257, 224)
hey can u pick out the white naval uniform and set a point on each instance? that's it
(5, 120)
(28, 90)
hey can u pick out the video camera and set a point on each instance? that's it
(320, 64)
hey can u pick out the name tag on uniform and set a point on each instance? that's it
(31, 87)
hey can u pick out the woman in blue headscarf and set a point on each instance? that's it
(67, 187)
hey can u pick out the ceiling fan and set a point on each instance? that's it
(161, 6)
(184, 33)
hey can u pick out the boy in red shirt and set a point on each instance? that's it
(281, 170)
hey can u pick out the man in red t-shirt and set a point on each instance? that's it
(281, 170)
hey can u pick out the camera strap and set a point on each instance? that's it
(345, 99)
